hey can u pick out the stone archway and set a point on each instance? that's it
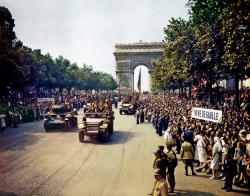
(129, 56)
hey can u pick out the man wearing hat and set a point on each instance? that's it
(162, 161)
(187, 155)
(161, 186)
(230, 169)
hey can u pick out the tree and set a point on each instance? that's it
(205, 12)
(235, 33)
(14, 69)
(174, 29)
(20, 65)
(172, 69)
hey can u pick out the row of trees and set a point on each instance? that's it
(211, 46)
(21, 66)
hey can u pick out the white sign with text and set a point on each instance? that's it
(207, 114)
(45, 99)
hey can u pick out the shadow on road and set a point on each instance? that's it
(19, 142)
(122, 137)
(19, 138)
(191, 192)
(118, 137)
(198, 193)
(3, 193)
(66, 130)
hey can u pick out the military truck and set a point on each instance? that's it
(98, 124)
(60, 117)
(127, 108)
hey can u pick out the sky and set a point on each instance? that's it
(85, 31)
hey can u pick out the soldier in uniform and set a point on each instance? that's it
(137, 114)
(230, 170)
(110, 117)
(116, 102)
(172, 159)
(159, 125)
(142, 116)
(187, 155)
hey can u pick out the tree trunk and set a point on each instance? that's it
(190, 90)
(210, 98)
(60, 90)
(236, 85)
(180, 87)
(217, 92)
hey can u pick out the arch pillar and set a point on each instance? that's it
(125, 81)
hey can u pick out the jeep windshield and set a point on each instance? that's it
(95, 115)
(58, 109)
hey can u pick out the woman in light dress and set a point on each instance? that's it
(201, 148)
(2, 122)
(216, 157)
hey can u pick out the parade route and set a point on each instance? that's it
(33, 162)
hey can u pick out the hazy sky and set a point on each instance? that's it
(85, 31)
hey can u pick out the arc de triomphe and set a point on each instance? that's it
(129, 56)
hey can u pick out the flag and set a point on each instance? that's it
(139, 82)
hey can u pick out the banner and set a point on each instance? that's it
(207, 114)
(45, 99)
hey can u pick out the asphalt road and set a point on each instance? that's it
(33, 162)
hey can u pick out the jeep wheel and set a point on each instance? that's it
(81, 136)
(46, 126)
(105, 136)
(73, 122)
(110, 129)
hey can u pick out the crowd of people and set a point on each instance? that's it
(220, 149)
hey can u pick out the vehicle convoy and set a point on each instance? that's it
(60, 116)
(98, 124)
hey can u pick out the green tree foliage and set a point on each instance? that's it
(174, 29)
(205, 11)
(235, 32)
(62, 73)
(173, 68)
(212, 45)
(14, 66)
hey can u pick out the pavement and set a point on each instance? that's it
(35, 162)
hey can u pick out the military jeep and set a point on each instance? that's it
(60, 116)
(96, 123)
